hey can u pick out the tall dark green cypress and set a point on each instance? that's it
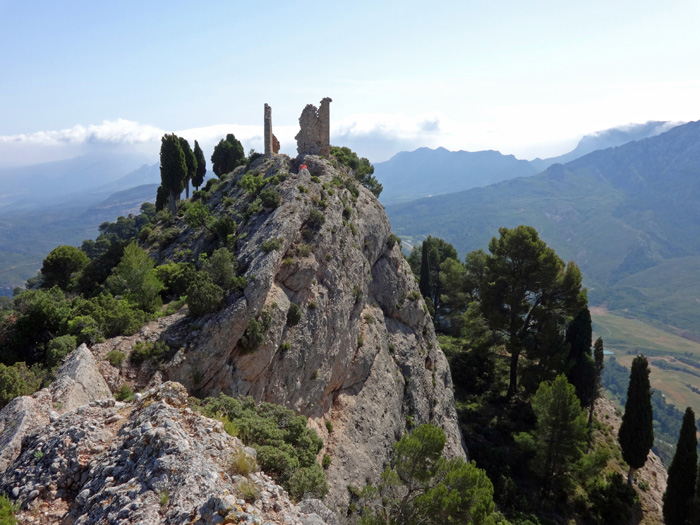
(198, 178)
(680, 489)
(581, 367)
(173, 169)
(599, 360)
(191, 162)
(694, 518)
(636, 434)
(424, 282)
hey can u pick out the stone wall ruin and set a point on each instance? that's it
(272, 145)
(314, 137)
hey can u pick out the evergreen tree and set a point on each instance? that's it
(694, 518)
(682, 473)
(161, 198)
(228, 155)
(599, 360)
(191, 162)
(636, 434)
(424, 282)
(526, 287)
(173, 169)
(560, 429)
(201, 170)
(61, 265)
(581, 367)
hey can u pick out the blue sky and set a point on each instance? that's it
(527, 78)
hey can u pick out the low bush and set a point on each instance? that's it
(293, 314)
(286, 447)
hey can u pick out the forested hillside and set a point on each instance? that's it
(617, 212)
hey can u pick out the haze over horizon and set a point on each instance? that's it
(521, 79)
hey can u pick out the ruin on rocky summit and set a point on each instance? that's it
(272, 145)
(314, 137)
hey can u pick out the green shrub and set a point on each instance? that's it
(392, 240)
(270, 245)
(283, 441)
(221, 268)
(86, 330)
(329, 426)
(326, 462)
(253, 336)
(270, 198)
(58, 348)
(203, 296)
(197, 215)
(145, 351)
(115, 358)
(251, 183)
(224, 226)
(293, 314)
(125, 394)
(247, 490)
(7, 511)
(308, 482)
(243, 463)
(315, 220)
(16, 380)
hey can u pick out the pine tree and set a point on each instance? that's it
(680, 489)
(228, 155)
(191, 162)
(201, 170)
(173, 169)
(636, 434)
(560, 430)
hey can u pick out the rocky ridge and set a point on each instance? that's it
(363, 360)
(152, 461)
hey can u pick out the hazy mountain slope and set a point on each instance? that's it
(616, 212)
(29, 186)
(423, 172)
(608, 138)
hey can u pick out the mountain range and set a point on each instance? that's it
(427, 172)
(629, 216)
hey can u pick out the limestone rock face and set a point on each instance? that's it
(78, 382)
(364, 355)
(154, 461)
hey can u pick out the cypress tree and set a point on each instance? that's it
(173, 169)
(201, 170)
(694, 518)
(424, 282)
(581, 367)
(191, 162)
(636, 434)
(599, 359)
(678, 497)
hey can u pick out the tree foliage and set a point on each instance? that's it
(136, 279)
(201, 170)
(173, 169)
(361, 168)
(191, 162)
(228, 155)
(636, 435)
(62, 265)
(422, 487)
(526, 293)
(678, 498)
(560, 431)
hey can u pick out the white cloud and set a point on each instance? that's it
(118, 131)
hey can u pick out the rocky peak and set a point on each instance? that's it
(363, 359)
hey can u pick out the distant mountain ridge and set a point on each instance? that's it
(429, 172)
(617, 212)
(605, 139)
(409, 175)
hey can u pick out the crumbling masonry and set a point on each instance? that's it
(314, 137)
(272, 145)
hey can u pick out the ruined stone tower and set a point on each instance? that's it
(314, 137)
(268, 130)
(272, 145)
